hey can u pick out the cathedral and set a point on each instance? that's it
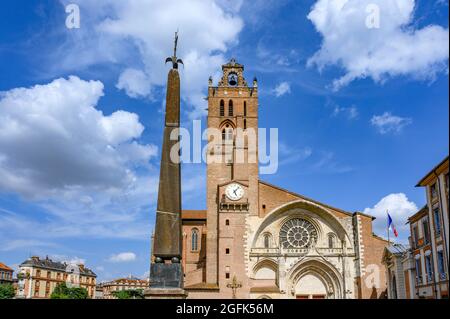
(256, 240)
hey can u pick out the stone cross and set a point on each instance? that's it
(234, 285)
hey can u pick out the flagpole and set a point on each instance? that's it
(387, 215)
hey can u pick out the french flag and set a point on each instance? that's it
(391, 225)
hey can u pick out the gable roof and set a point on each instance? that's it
(4, 267)
(193, 214)
(307, 198)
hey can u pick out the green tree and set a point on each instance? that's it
(129, 294)
(7, 291)
(61, 291)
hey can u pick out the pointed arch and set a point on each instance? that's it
(324, 271)
(265, 267)
(282, 213)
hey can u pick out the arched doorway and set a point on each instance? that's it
(315, 279)
(310, 286)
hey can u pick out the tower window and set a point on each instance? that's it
(245, 108)
(230, 108)
(245, 124)
(227, 251)
(194, 239)
(227, 222)
(222, 108)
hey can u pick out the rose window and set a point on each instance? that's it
(297, 233)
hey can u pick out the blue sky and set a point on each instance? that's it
(362, 112)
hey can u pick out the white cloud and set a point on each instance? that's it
(53, 141)
(84, 173)
(399, 207)
(350, 112)
(395, 48)
(282, 89)
(138, 35)
(16, 244)
(388, 123)
(135, 83)
(122, 257)
(293, 154)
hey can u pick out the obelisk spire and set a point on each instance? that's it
(166, 271)
(167, 239)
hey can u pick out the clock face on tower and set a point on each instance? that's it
(234, 192)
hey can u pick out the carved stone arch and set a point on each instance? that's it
(321, 269)
(266, 263)
(283, 211)
(268, 236)
(332, 240)
(227, 122)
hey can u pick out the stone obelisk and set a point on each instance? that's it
(166, 273)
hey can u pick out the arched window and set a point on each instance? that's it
(230, 108)
(245, 108)
(330, 241)
(194, 239)
(267, 240)
(222, 108)
(227, 222)
(227, 133)
(245, 124)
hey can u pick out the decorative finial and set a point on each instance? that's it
(175, 61)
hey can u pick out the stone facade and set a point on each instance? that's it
(6, 274)
(430, 235)
(40, 276)
(278, 244)
(129, 283)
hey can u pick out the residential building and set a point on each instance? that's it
(6, 274)
(39, 277)
(128, 283)
(434, 241)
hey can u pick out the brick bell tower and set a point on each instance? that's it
(232, 177)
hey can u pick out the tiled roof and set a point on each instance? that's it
(308, 199)
(4, 267)
(54, 265)
(193, 214)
